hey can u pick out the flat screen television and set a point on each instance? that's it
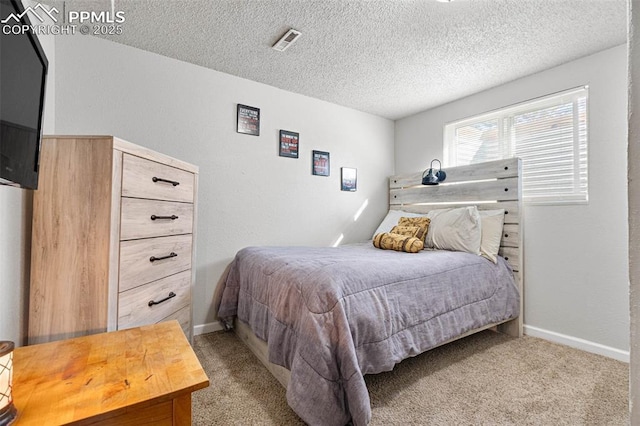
(23, 75)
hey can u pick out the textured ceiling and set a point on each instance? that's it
(391, 58)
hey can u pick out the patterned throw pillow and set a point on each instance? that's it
(421, 222)
(397, 242)
(409, 231)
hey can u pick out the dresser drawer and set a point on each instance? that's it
(153, 218)
(137, 266)
(133, 305)
(143, 178)
(183, 316)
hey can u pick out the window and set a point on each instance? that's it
(549, 134)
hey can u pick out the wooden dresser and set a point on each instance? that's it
(140, 376)
(113, 238)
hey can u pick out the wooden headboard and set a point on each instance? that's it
(491, 185)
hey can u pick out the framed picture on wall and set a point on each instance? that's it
(349, 179)
(289, 142)
(248, 120)
(320, 163)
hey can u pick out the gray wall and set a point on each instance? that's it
(248, 195)
(576, 256)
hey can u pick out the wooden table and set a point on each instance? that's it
(138, 376)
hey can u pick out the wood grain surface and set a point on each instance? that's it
(133, 306)
(142, 375)
(70, 241)
(80, 217)
(137, 180)
(137, 219)
(137, 269)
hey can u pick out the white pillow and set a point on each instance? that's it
(392, 219)
(458, 229)
(492, 223)
(428, 243)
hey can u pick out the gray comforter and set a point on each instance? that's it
(330, 315)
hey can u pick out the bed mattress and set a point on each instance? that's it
(331, 315)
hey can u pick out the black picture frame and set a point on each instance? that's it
(289, 144)
(320, 163)
(348, 179)
(248, 120)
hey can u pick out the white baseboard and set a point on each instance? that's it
(575, 342)
(207, 328)
(529, 330)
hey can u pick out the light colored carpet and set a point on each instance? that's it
(484, 379)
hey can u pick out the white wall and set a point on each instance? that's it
(248, 195)
(576, 256)
(15, 229)
(15, 232)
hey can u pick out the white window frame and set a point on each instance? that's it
(504, 116)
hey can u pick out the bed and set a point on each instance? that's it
(320, 318)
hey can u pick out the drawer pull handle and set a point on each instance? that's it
(172, 182)
(172, 217)
(170, 255)
(153, 302)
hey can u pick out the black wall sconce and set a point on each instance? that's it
(433, 178)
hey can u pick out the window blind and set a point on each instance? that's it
(549, 134)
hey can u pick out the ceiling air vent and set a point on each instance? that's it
(286, 40)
